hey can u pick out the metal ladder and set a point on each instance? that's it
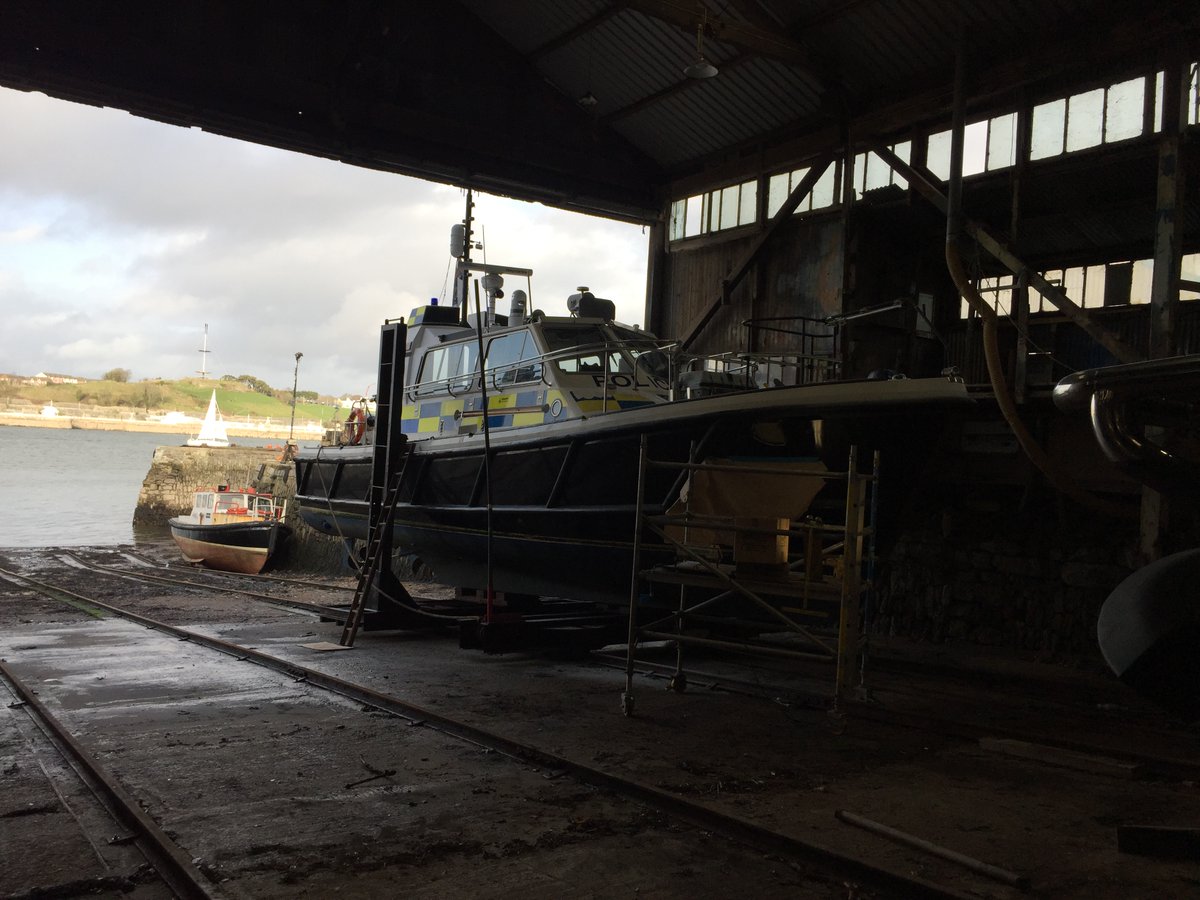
(370, 567)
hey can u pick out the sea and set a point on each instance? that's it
(65, 487)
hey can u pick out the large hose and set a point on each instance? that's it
(1004, 399)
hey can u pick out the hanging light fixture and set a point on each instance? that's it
(701, 67)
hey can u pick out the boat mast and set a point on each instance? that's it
(461, 248)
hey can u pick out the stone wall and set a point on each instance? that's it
(1019, 581)
(176, 473)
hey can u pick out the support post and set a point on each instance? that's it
(850, 616)
(1168, 258)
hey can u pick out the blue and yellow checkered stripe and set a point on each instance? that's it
(455, 415)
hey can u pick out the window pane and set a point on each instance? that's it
(678, 214)
(729, 207)
(694, 208)
(1190, 271)
(878, 174)
(1158, 92)
(708, 218)
(748, 207)
(505, 350)
(1124, 109)
(1085, 120)
(1046, 139)
(904, 151)
(1073, 284)
(777, 191)
(937, 158)
(1055, 277)
(975, 148)
(1093, 289)
(1193, 113)
(860, 173)
(1143, 276)
(1002, 145)
(824, 192)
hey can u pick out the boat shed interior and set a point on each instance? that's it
(1006, 193)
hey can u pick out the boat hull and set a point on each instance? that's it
(242, 547)
(564, 497)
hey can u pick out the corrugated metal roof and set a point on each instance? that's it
(632, 61)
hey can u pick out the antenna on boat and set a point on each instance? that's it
(204, 351)
(460, 249)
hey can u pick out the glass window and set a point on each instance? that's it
(451, 366)
(729, 207)
(1085, 120)
(937, 155)
(1046, 139)
(587, 342)
(678, 217)
(824, 192)
(694, 211)
(1124, 109)
(1158, 93)
(748, 204)
(1190, 271)
(1143, 279)
(1002, 144)
(975, 141)
(504, 355)
(1193, 112)
(875, 172)
(1093, 286)
(777, 192)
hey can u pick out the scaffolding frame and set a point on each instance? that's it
(804, 579)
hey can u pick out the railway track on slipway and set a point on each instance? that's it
(738, 830)
(170, 862)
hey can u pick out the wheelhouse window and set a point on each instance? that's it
(451, 367)
(513, 359)
(582, 349)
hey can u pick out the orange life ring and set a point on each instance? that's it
(356, 425)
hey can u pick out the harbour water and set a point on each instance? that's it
(73, 488)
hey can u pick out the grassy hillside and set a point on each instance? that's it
(189, 396)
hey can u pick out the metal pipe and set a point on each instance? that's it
(994, 872)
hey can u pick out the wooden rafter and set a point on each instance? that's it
(928, 186)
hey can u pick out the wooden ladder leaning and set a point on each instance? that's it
(370, 567)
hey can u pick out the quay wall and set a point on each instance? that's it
(176, 473)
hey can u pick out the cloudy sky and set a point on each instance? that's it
(120, 238)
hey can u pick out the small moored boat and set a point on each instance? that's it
(232, 530)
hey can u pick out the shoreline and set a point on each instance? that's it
(90, 423)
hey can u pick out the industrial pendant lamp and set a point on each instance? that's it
(701, 67)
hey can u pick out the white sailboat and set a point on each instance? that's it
(212, 432)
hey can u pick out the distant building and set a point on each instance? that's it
(54, 378)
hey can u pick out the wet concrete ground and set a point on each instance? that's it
(256, 775)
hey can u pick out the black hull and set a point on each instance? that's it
(564, 498)
(243, 547)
